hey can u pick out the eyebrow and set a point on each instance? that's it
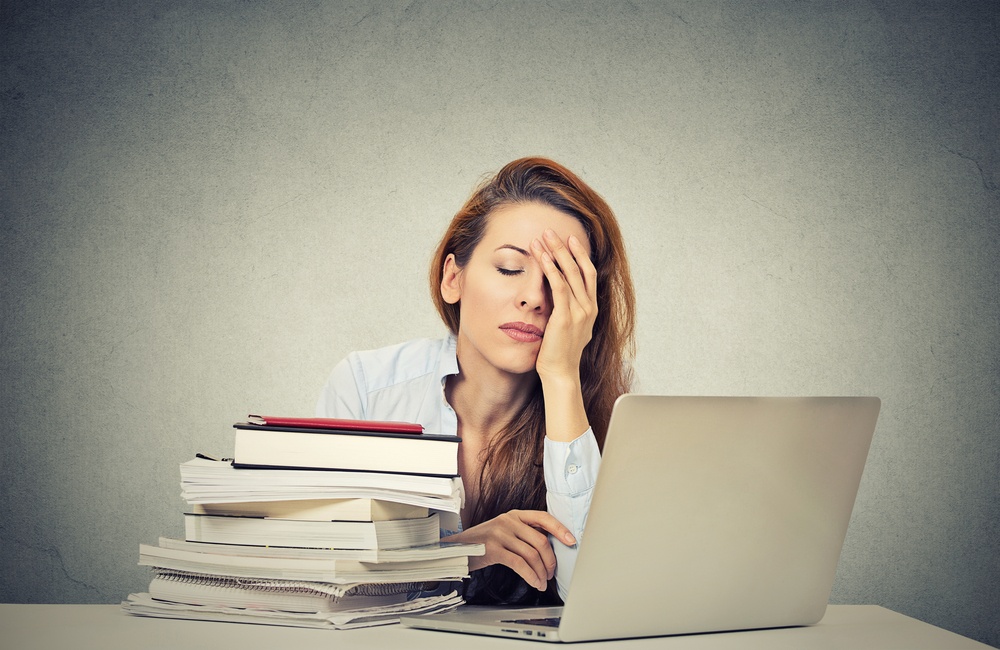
(513, 248)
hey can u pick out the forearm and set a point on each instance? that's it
(565, 415)
(570, 474)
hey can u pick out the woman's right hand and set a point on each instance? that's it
(518, 539)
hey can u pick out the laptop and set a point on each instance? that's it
(710, 514)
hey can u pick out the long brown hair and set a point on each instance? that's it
(512, 476)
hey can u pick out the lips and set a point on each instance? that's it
(523, 332)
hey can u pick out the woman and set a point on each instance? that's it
(532, 281)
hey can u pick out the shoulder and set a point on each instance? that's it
(400, 363)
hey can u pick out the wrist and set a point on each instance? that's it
(564, 381)
(565, 415)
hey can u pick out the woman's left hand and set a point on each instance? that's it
(573, 281)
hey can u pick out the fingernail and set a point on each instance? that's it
(551, 234)
(569, 539)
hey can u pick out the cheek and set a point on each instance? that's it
(486, 303)
(480, 303)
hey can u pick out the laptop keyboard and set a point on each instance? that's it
(547, 622)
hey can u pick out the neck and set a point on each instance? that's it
(486, 398)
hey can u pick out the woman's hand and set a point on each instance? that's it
(573, 281)
(517, 539)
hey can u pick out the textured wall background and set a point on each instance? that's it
(206, 205)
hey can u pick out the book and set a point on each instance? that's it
(339, 424)
(350, 541)
(368, 451)
(358, 509)
(205, 480)
(331, 568)
(327, 557)
(393, 533)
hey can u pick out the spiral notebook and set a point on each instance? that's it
(285, 595)
(205, 597)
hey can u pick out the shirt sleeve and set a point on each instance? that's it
(570, 470)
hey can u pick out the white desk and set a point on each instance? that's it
(80, 627)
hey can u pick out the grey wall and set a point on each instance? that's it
(206, 205)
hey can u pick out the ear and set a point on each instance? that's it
(451, 280)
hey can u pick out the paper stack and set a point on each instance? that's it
(313, 547)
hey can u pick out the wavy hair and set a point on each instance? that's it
(512, 475)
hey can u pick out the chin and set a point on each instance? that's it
(515, 360)
(525, 367)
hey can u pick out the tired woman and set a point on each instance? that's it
(532, 281)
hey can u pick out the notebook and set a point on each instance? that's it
(709, 514)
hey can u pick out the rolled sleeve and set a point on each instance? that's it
(570, 470)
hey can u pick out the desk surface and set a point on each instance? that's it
(80, 627)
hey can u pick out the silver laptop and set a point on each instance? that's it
(709, 514)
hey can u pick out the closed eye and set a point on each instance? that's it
(505, 271)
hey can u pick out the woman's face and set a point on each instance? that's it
(504, 298)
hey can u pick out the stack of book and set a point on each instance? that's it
(314, 523)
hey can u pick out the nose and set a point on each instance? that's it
(535, 293)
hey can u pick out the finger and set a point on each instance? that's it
(516, 542)
(508, 549)
(523, 568)
(558, 288)
(587, 268)
(546, 522)
(541, 568)
(530, 541)
(539, 543)
(568, 262)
